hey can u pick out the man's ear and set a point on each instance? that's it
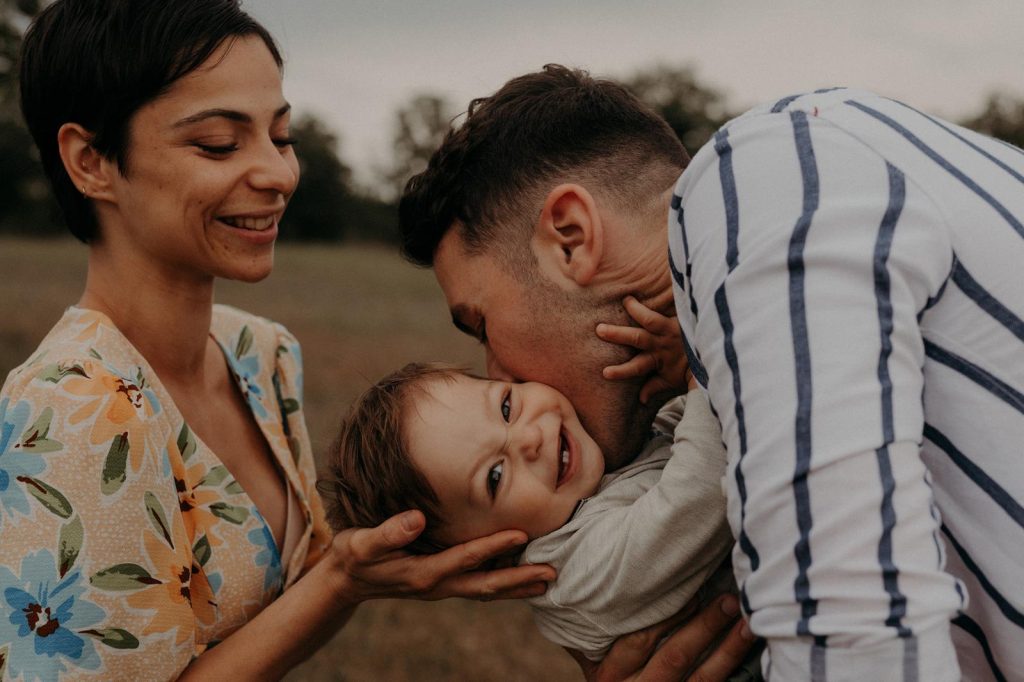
(88, 169)
(568, 238)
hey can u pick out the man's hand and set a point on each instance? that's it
(661, 356)
(630, 657)
(369, 563)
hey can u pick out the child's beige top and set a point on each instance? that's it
(640, 548)
(126, 547)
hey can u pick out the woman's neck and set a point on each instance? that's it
(166, 318)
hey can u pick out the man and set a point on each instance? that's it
(846, 275)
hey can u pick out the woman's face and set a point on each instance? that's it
(210, 168)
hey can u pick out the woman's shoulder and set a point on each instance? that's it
(81, 338)
(232, 326)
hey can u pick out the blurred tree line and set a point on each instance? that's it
(329, 205)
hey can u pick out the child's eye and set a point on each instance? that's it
(506, 406)
(494, 478)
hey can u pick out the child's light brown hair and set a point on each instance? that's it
(371, 474)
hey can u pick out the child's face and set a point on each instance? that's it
(501, 456)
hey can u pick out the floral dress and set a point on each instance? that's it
(126, 547)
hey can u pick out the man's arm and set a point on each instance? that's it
(801, 260)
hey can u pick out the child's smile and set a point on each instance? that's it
(501, 455)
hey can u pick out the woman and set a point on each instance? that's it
(156, 482)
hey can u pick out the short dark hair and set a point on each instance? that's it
(96, 62)
(371, 473)
(555, 124)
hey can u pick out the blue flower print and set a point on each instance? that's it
(296, 351)
(15, 460)
(268, 555)
(47, 616)
(247, 372)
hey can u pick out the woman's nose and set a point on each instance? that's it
(275, 170)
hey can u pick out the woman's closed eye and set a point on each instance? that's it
(494, 478)
(216, 149)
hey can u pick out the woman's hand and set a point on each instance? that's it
(630, 657)
(660, 343)
(369, 563)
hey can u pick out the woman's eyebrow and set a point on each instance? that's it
(230, 114)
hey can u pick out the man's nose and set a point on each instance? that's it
(495, 370)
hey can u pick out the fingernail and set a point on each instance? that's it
(600, 327)
(410, 521)
(730, 606)
(745, 632)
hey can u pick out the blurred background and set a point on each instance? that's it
(375, 85)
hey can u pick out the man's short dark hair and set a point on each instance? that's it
(96, 62)
(555, 125)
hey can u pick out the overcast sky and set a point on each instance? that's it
(354, 62)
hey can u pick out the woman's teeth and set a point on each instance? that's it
(564, 461)
(258, 224)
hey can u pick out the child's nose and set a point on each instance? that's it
(528, 441)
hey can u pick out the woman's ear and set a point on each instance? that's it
(568, 238)
(86, 167)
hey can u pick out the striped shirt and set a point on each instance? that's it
(849, 277)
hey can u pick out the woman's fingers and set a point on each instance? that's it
(504, 583)
(470, 555)
(372, 544)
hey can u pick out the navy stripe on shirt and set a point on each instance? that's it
(967, 624)
(963, 139)
(987, 301)
(732, 204)
(1008, 610)
(883, 244)
(725, 319)
(802, 360)
(785, 102)
(945, 164)
(988, 484)
(983, 378)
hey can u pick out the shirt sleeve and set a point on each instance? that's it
(801, 261)
(96, 570)
(652, 541)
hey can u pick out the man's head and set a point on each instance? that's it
(534, 213)
(475, 456)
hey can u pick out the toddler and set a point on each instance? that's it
(631, 546)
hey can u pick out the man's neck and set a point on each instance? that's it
(641, 266)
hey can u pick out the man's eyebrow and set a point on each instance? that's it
(229, 114)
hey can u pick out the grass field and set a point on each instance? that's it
(359, 311)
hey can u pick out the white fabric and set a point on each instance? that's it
(643, 545)
(848, 276)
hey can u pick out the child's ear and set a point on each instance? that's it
(88, 169)
(568, 238)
